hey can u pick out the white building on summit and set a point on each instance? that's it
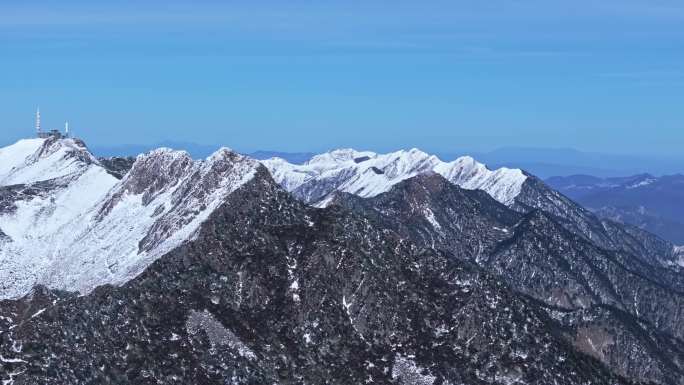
(52, 133)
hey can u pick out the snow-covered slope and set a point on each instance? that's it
(46, 183)
(15, 155)
(368, 174)
(82, 228)
(34, 160)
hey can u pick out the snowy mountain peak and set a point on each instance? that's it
(340, 156)
(155, 170)
(367, 174)
(503, 184)
(90, 229)
(70, 146)
(35, 160)
(221, 154)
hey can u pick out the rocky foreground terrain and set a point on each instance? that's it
(220, 271)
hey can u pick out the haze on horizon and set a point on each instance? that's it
(444, 76)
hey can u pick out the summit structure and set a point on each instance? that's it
(38, 130)
(52, 133)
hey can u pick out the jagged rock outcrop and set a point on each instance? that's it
(117, 166)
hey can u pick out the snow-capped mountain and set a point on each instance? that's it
(45, 184)
(35, 160)
(69, 224)
(368, 174)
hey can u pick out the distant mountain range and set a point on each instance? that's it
(542, 162)
(655, 204)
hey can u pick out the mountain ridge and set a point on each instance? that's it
(407, 273)
(274, 291)
(366, 173)
(127, 223)
(540, 161)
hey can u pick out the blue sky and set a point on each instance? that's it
(602, 76)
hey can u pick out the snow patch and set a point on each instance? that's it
(430, 216)
(39, 312)
(11, 360)
(406, 371)
(641, 183)
(217, 334)
(48, 159)
(16, 155)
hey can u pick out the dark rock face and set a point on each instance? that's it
(543, 258)
(10, 195)
(117, 166)
(435, 213)
(273, 291)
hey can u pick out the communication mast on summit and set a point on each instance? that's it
(38, 121)
(52, 133)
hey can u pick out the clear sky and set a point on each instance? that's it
(311, 75)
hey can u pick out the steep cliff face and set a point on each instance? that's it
(273, 291)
